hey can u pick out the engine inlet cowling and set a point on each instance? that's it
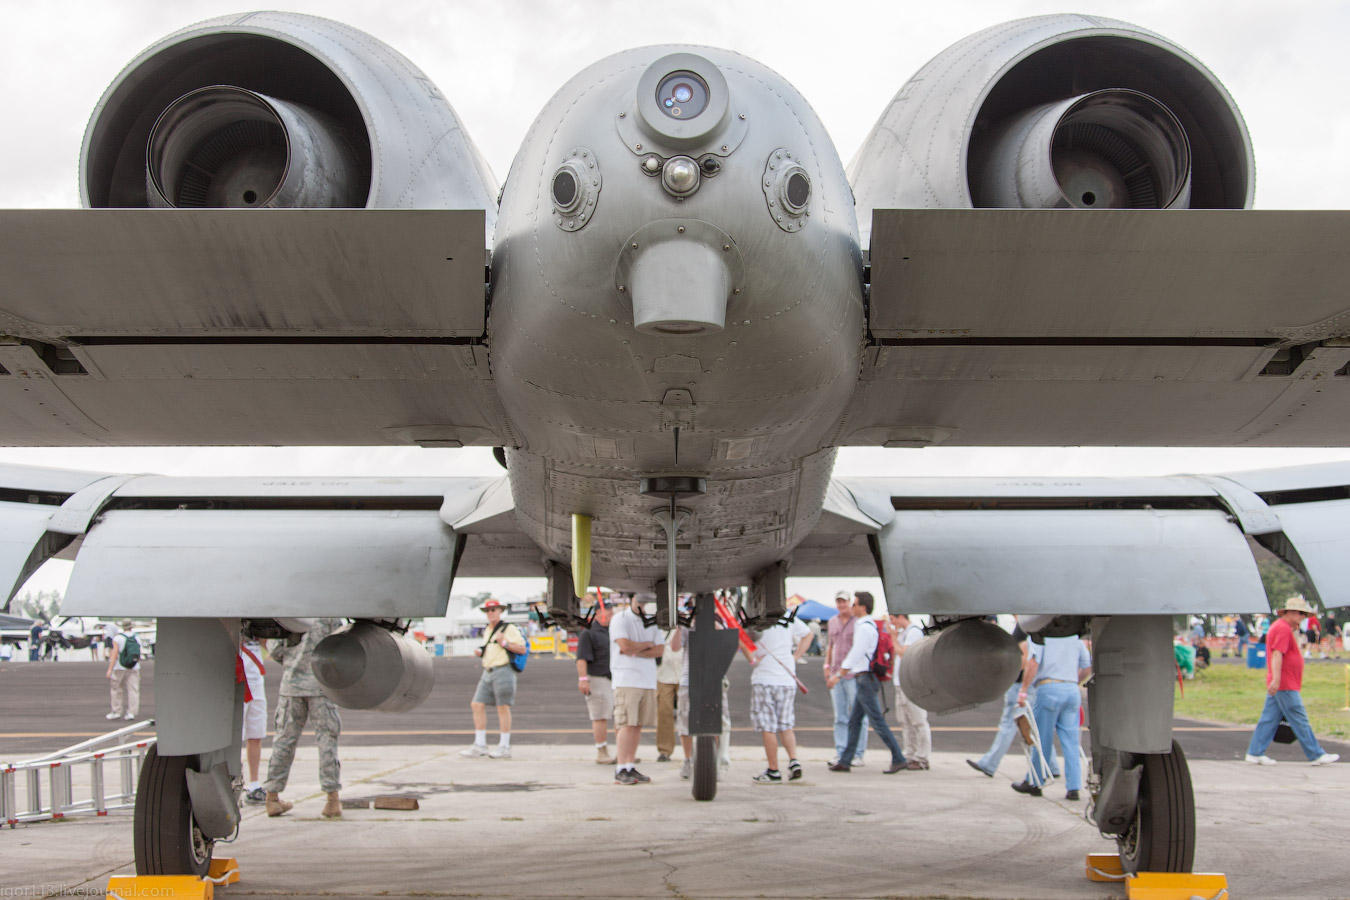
(1057, 111)
(278, 109)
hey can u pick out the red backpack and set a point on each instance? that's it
(883, 661)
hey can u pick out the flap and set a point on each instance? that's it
(1312, 504)
(22, 527)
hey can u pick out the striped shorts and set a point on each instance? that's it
(773, 707)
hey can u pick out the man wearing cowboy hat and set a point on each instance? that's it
(497, 684)
(1284, 680)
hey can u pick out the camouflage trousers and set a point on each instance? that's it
(291, 715)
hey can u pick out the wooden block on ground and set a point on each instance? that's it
(406, 803)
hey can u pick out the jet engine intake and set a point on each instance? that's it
(1109, 149)
(223, 146)
(365, 666)
(964, 665)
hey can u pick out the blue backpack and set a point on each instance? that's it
(518, 660)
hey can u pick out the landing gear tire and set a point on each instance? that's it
(167, 841)
(705, 767)
(1162, 838)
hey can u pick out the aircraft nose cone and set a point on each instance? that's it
(680, 176)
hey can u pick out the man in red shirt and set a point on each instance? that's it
(1284, 680)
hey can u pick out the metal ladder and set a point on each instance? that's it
(98, 754)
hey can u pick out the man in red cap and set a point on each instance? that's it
(497, 684)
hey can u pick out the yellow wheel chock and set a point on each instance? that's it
(1157, 885)
(177, 887)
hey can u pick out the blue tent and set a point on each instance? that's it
(811, 609)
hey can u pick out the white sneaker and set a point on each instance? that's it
(857, 762)
(474, 750)
(112, 716)
(687, 770)
(1326, 759)
(499, 752)
(1264, 760)
(128, 717)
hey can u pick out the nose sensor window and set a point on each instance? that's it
(682, 95)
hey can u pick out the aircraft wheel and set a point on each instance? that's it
(705, 767)
(1162, 838)
(166, 839)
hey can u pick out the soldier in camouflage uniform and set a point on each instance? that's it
(300, 700)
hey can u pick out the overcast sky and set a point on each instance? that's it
(499, 61)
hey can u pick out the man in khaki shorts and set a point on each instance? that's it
(497, 685)
(634, 649)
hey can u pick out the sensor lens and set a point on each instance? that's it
(564, 189)
(682, 95)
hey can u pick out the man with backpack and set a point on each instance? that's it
(916, 736)
(497, 684)
(867, 648)
(124, 673)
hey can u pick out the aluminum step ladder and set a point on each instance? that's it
(112, 755)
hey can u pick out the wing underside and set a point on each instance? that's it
(1105, 327)
(219, 327)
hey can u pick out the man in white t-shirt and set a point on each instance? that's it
(634, 649)
(773, 694)
(916, 738)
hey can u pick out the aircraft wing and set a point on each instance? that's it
(276, 326)
(1105, 327)
(259, 547)
(1095, 546)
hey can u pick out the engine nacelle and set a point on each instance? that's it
(364, 666)
(278, 109)
(964, 665)
(1051, 111)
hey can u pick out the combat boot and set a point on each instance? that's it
(333, 808)
(275, 805)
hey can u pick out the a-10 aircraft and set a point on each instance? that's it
(686, 304)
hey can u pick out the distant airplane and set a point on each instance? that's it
(674, 326)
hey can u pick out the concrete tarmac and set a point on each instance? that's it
(551, 823)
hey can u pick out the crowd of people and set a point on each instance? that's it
(631, 674)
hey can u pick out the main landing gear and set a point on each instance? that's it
(1141, 785)
(185, 799)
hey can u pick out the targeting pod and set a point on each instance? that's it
(969, 663)
(364, 666)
